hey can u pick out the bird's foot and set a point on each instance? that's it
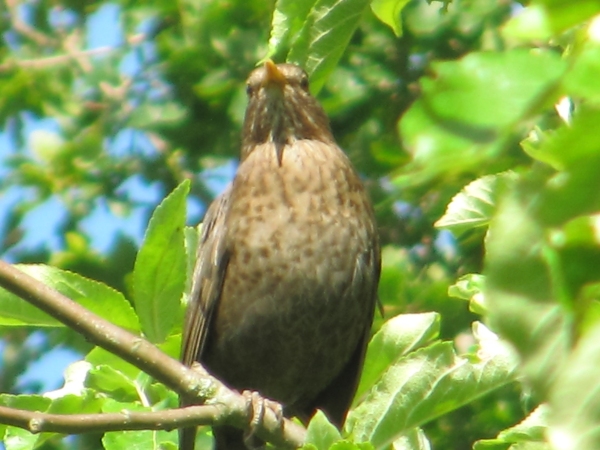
(257, 405)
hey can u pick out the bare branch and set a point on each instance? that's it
(128, 346)
(37, 422)
(25, 29)
(194, 384)
(289, 435)
(73, 54)
(42, 63)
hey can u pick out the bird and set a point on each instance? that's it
(285, 283)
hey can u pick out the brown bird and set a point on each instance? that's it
(286, 278)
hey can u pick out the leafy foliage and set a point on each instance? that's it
(477, 116)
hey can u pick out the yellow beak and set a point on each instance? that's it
(274, 75)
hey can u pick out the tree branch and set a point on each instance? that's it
(229, 407)
(25, 29)
(72, 54)
(51, 61)
(37, 422)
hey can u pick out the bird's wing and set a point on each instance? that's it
(209, 273)
(207, 285)
(336, 398)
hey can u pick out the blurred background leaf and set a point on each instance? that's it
(107, 106)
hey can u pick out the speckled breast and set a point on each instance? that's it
(297, 294)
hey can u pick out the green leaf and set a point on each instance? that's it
(88, 403)
(105, 379)
(570, 194)
(25, 401)
(489, 91)
(582, 80)
(522, 288)
(47, 146)
(498, 444)
(426, 384)
(99, 357)
(529, 434)
(470, 287)
(395, 266)
(397, 337)
(439, 149)
(575, 398)
(389, 12)
(93, 295)
(289, 17)
(475, 204)
(572, 145)
(157, 394)
(347, 445)
(172, 345)
(546, 18)
(321, 433)
(324, 36)
(159, 274)
(151, 116)
(139, 439)
(17, 438)
(414, 439)
(75, 377)
(532, 428)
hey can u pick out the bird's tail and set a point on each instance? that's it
(187, 438)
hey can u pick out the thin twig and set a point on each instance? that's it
(42, 63)
(37, 422)
(25, 29)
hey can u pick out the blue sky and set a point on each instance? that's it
(102, 224)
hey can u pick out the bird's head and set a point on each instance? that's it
(281, 109)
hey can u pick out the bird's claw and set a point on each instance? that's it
(257, 406)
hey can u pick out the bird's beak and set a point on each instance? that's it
(275, 79)
(274, 76)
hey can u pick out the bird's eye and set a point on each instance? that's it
(304, 83)
(249, 89)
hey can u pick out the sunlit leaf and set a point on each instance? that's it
(95, 296)
(321, 433)
(324, 36)
(474, 206)
(425, 384)
(389, 12)
(160, 271)
(397, 337)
